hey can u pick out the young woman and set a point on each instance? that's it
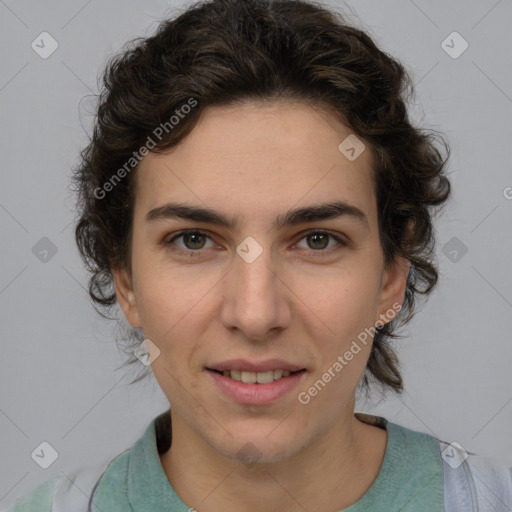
(256, 200)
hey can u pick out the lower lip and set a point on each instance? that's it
(256, 394)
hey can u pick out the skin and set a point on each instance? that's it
(297, 301)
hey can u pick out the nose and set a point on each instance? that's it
(256, 300)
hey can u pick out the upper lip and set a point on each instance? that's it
(252, 366)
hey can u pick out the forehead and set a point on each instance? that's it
(254, 159)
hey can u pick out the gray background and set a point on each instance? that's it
(58, 377)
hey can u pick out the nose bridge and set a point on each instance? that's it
(253, 299)
(252, 271)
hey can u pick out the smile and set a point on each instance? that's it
(256, 388)
(256, 377)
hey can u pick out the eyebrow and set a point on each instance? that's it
(302, 215)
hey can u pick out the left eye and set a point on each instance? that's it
(194, 241)
(319, 240)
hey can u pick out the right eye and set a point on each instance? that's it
(193, 241)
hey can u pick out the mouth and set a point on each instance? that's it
(249, 377)
(264, 387)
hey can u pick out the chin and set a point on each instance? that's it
(258, 448)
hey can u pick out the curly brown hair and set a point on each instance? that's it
(219, 52)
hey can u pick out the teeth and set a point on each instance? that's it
(256, 377)
(249, 377)
(278, 374)
(265, 377)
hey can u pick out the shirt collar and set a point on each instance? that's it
(409, 456)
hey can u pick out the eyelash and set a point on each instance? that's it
(192, 253)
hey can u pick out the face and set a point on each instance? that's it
(247, 286)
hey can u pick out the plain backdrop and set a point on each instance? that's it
(58, 380)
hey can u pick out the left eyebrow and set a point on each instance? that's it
(302, 215)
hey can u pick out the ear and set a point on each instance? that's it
(126, 296)
(393, 288)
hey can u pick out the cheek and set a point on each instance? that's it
(168, 295)
(167, 312)
(173, 305)
(342, 301)
(340, 317)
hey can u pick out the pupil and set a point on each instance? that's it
(193, 235)
(316, 236)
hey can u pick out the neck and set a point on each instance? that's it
(333, 472)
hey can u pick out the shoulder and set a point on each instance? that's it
(111, 491)
(105, 486)
(462, 481)
(474, 479)
(468, 479)
(413, 449)
(410, 477)
(40, 499)
(77, 490)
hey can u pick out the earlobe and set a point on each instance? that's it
(126, 296)
(393, 290)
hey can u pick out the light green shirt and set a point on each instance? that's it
(410, 479)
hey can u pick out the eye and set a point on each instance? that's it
(318, 241)
(193, 240)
